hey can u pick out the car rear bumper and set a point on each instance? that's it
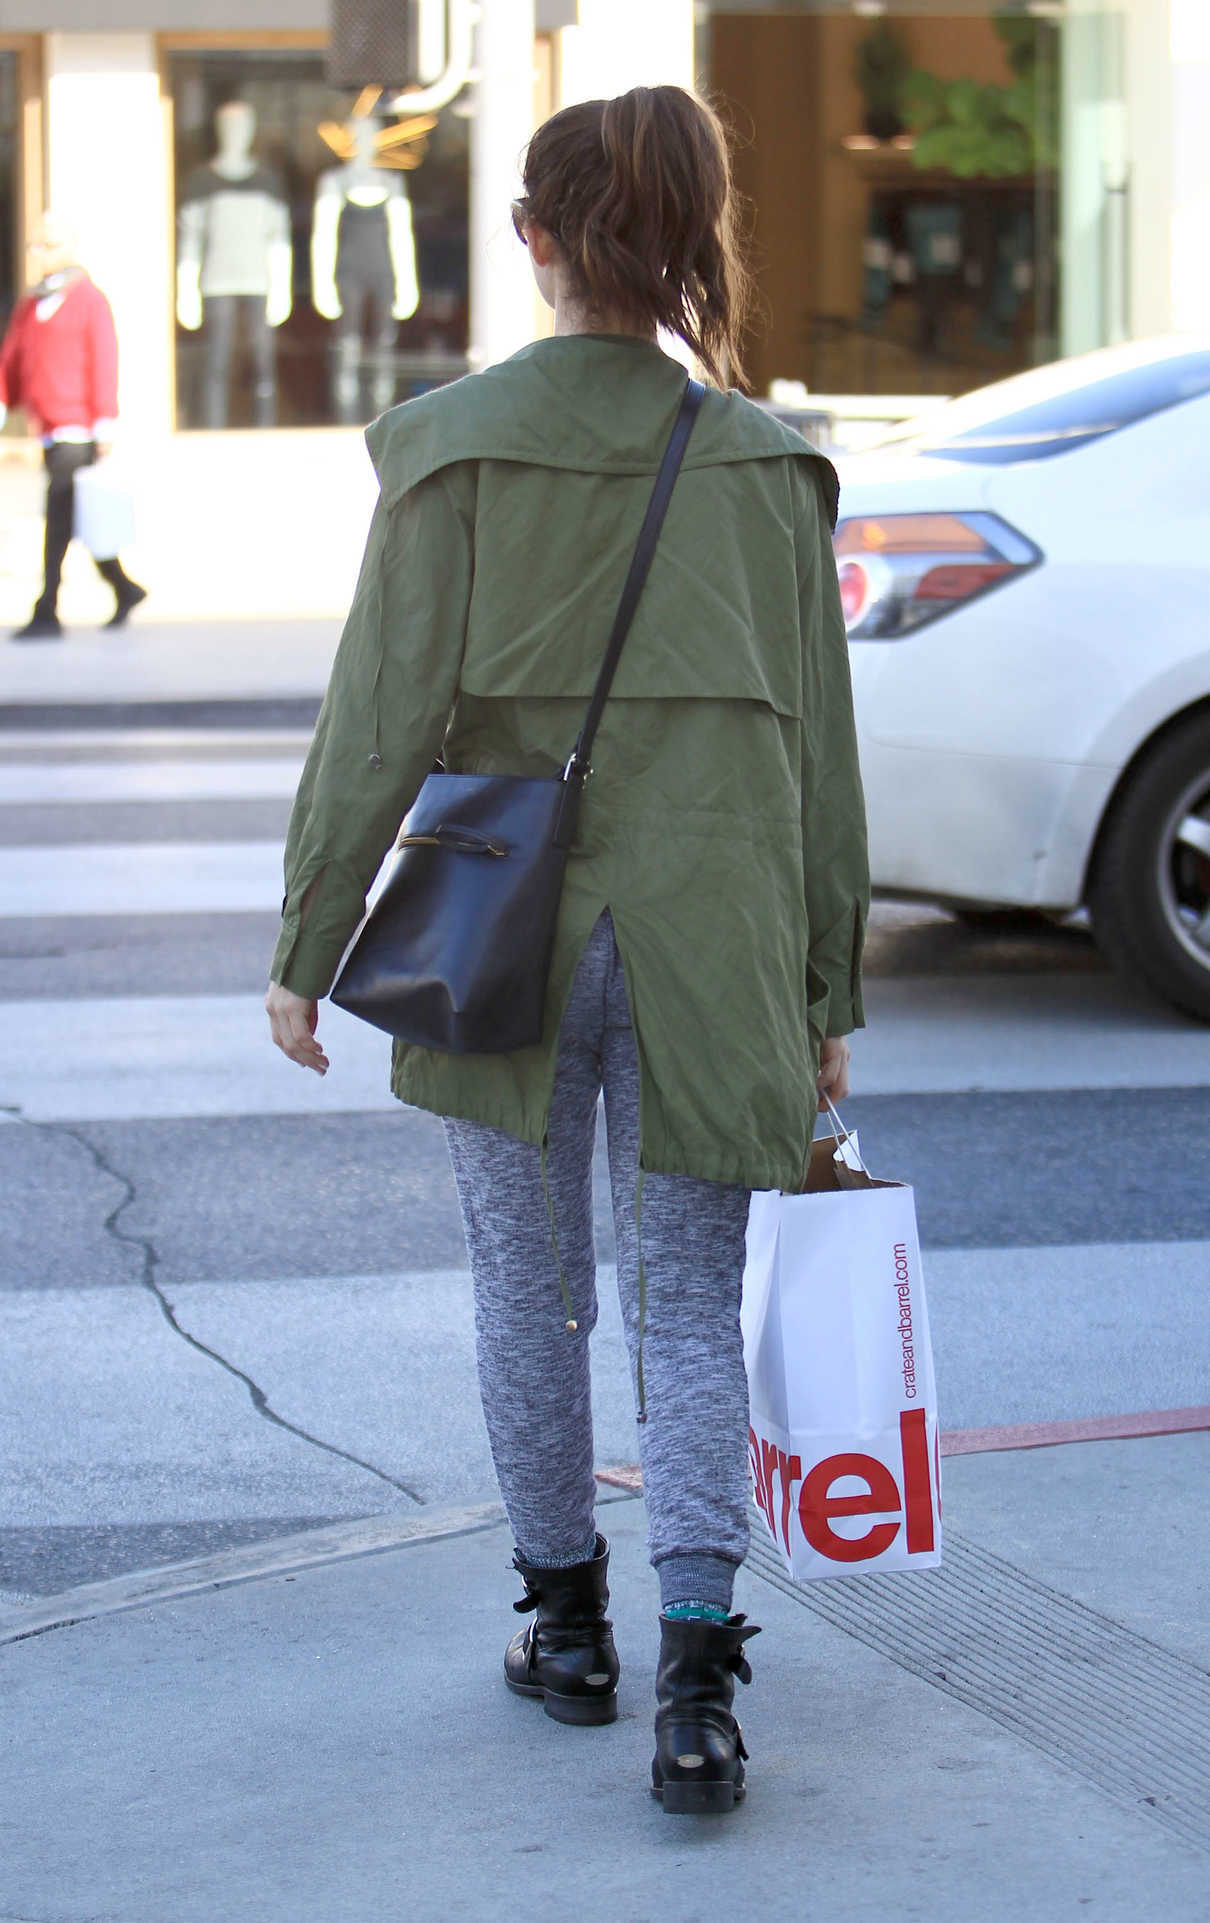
(981, 828)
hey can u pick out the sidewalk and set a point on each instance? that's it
(156, 672)
(1022, 1734)
(228, 527)
(209, 548)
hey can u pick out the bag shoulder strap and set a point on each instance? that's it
(578, 767)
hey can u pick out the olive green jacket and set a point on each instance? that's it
(723, 825)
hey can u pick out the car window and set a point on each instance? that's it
(976, 428)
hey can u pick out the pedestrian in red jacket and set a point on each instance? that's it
(59, 361)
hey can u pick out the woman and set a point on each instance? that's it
(706, 963)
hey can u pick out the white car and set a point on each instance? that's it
(1026, 582)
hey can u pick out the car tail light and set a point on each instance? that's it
(898, 571)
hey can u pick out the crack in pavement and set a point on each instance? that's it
(150, 1263)
(6, 1917)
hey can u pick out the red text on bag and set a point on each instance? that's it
(882, 1495)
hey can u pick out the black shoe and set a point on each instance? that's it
(698, 1766)
(566, 1654)
(128, 598)
(39, 627)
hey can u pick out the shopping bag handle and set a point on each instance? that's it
(843, 1134)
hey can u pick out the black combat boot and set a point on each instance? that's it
(699, 1749)
(566, 1654)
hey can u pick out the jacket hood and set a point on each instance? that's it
(590, 403)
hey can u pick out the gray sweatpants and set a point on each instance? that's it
(534, 1373)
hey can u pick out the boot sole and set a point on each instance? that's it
(698, 1799)
(584, 1710)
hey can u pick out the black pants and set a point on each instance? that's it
(64, 459)
(365, 343)
(223, 314)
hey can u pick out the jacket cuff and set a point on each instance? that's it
(844, 1015)
(304, 963)
(309, 953)
(834, 967)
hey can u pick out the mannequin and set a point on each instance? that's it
(363, 269)
(234, 263)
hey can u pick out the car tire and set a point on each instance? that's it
(1150, 879)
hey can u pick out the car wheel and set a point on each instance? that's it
(1150, 889)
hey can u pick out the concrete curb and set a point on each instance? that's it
(254, 1562)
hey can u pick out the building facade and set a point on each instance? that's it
(944, 193)
(939, 193)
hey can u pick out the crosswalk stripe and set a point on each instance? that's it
(125, 1057)
(940, 1034)
(151, 781)
(167, 1056)
(115, 745)
(142, 878)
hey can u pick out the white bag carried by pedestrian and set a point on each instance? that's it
(843, 1442)
(104, 510)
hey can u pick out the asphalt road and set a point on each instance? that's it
(233, 1302)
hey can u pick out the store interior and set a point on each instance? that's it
(284, 173)
(902, 177)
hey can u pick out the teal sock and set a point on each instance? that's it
(690, 1612)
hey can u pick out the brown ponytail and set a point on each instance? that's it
(637, 193)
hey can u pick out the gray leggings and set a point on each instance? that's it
(534, 1373)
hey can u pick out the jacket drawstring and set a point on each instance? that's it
(571, 1324)
(638, 1237)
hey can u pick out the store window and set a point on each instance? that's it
(321, 244)
(12, 276)
(936, 199)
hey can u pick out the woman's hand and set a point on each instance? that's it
(292, 1020)
(833, 1078)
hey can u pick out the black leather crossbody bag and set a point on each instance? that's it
(456, 953)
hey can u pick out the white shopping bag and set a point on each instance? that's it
(843, 1436)
(104, 510)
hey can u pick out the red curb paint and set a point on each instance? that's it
(1044, 1435)
(1017, 1435)
(627, 1476)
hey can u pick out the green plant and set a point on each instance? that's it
(881, 64)
(968, 129)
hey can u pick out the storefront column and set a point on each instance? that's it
(502, 299)
(1190, 224)
(107, 173)
(627, 43)
(1150, 123)
(1169, 70)
(1094, 294)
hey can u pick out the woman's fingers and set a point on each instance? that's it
(292, 1023)
(302, 1047)
(833, 1078)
